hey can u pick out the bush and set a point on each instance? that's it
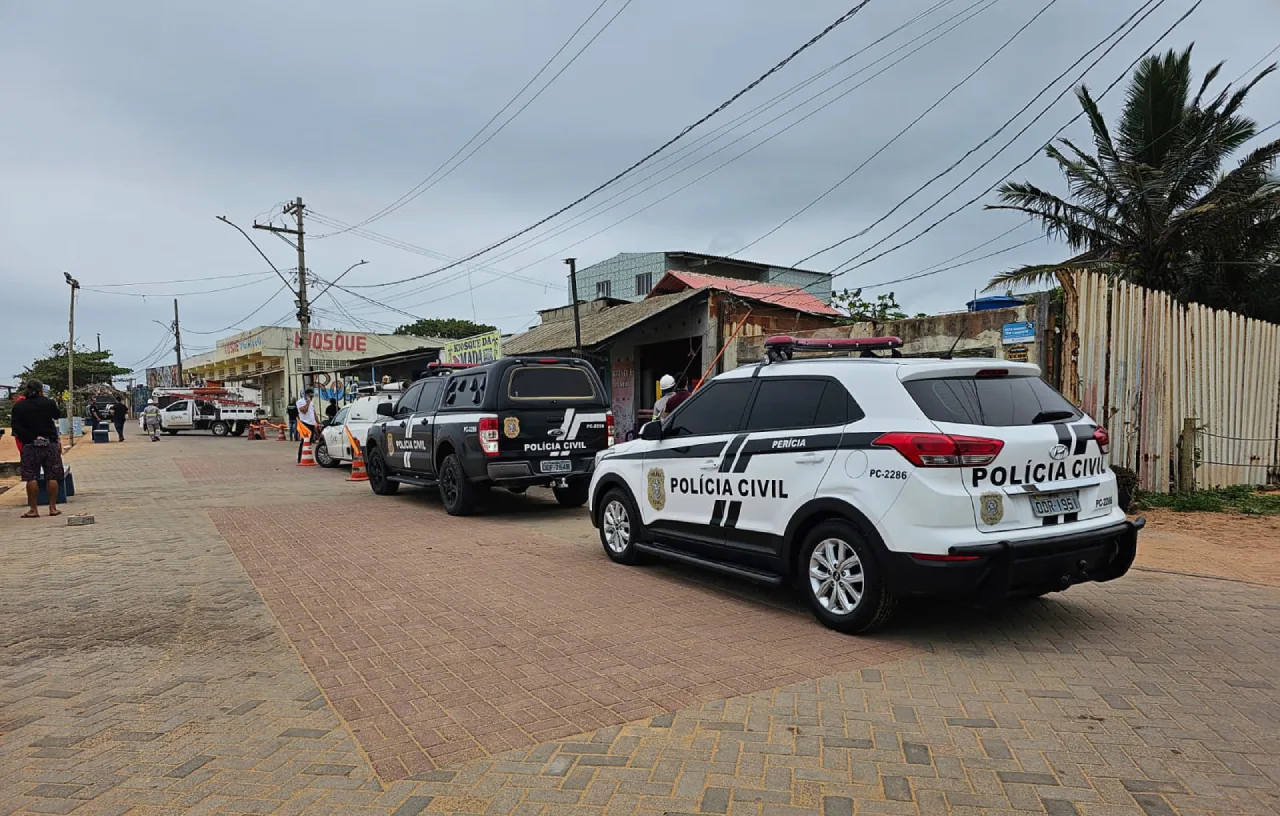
(1126, 486)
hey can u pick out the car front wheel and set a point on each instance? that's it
(842, 579)
(379, 475)
(323, 457)
(619, 523)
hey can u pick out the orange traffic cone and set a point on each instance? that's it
(281, 437)
(307, 459)
(358, 472)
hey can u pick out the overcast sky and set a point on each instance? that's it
(129, 126)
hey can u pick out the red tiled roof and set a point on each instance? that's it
(786, 296)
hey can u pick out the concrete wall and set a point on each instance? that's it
(978, 333)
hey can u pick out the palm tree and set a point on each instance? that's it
(1152, 205)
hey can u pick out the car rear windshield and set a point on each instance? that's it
(550, 382)
(1000, 402)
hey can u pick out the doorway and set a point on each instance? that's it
(681, 358)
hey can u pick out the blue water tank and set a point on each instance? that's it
(986, 304)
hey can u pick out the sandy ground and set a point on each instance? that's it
(1244, 548)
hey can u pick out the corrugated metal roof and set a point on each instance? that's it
(596, 327)
(785, 296)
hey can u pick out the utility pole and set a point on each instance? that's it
(177, 340)
(99, 341)
(71, 359)
(304, 307)
(573, 290)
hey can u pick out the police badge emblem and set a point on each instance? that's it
(391, 444)
(511, 427)
(991, 508)
(657, 491)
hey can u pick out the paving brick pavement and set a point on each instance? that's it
(142, 672)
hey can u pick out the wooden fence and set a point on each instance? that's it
(1140, 362)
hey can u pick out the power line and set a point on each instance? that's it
(718, 109)
(689, 148)
(244, 319)
(172, 294)
(981, 5)
(181, 280)
(1001, 128)
(396, 243)
(1021, 164)
(1256, 64)
(932, 271)
(428, 183)
(905, 129)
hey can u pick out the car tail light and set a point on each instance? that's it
(942, 450)
(488, 429)
(1103, 439)
(992, 373)
(608, 426)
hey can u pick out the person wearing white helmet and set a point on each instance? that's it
(670, 398)
(151, 419)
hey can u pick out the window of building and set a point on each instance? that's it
(644, 283)
(604, 289)
(259, 366)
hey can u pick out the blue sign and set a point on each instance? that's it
(1012, 333)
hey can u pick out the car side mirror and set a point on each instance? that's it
(651, 431)
(386, 409)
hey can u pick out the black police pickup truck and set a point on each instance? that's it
(516, 422)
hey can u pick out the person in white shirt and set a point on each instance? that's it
(307, 417)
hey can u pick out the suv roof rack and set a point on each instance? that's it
(782, 347)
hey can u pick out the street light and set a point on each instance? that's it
(231, 223)
(71, 360)
(340, 277)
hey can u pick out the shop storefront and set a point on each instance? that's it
(269, 358)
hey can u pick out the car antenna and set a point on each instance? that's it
(951, 351)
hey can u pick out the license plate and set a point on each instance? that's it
(1055, 504)
(556, 466)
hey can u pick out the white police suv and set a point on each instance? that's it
(868, 479)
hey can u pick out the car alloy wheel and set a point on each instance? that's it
(616, 526)
(321, 454)
(449, 486)
(836, 577)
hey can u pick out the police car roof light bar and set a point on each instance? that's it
(781, 347)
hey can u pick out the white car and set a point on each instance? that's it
(334, 447)
(864, 481)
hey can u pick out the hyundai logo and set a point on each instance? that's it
(556, 432)
(1058, 452)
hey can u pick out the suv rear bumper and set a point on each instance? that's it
(528, 474)
(1012, 568)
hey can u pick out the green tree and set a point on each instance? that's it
(859, 310)
(1151, 204)
(91, 367)
(448, 327)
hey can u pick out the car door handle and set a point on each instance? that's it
(425, 422)
(809, 458)
(401, 424)
(710, 464)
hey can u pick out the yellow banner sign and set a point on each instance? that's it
(480, 348)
